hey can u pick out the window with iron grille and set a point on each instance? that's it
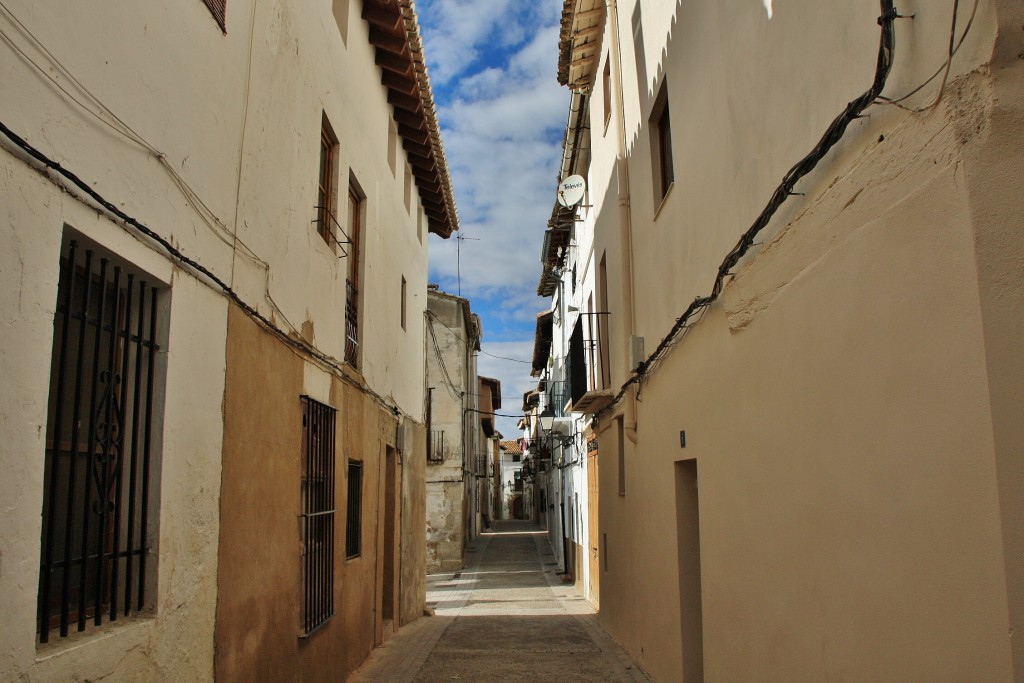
(101, 471)
(353, 524)
(352, 282)
(218, 8)
(318, 437)
(435, 447)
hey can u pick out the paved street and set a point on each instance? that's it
(505, 617)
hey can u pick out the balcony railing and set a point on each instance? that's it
(435, 446)
(351, 324)
(330, 229)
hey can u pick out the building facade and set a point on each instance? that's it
(216, 454)
(453, 405)
(809, 433)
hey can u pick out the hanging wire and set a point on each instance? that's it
(201, 272)
(944, 69)
(120, 127)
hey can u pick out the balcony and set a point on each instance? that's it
(351, 324)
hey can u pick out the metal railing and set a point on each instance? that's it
(351, 324)
(98, 475)
(329, 228)
(435, 446)
(318, 477)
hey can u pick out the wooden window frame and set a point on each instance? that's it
(326, 182)
(662, 166)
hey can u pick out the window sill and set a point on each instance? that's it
(664, 200)
(137, 628)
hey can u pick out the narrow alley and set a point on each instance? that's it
(506, 616)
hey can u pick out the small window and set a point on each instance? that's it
(621, 453)
(516, 457)
(318, 437)
(393, 148)
(218, 8)
(661, 143)
(408, 189)
(353, 524)
(606, 86)
(403, 302)
(340, 9)
(326, 199)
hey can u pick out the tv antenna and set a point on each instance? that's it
(459, 239)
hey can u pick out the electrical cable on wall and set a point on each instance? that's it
(433, 316)
(201, 272)
(120, 127)
(944, 69)
(833, 134)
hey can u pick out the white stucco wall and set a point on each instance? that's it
(236, 119)
(837, 398)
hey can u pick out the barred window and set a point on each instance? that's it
(354, 522)
(101, 472)
(318, 436)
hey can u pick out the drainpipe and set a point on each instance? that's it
(625, 218)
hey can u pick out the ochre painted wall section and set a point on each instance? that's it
(260, 568)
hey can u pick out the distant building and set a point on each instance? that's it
(514, 490)
(215, 219)
(488, 438)
(805, 403)
(453, 422)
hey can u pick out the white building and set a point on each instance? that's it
(208, 437)
(807, 396)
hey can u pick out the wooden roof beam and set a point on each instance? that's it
(398, 64)
(418, 148)
(597, 11)
(416, 134)
(382, 14)
(398, 82)
(406, 102)
(387, 40)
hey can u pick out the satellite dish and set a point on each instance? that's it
(570, 191)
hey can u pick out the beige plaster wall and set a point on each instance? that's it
(302, 70)
(235, 119)
(177, 640)
(848, 399)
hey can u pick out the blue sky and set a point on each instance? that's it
(492, 66)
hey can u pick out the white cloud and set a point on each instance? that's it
(458, 32)
(493, 64)
(503, 134)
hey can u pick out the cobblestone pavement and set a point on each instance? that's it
(504, 617)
